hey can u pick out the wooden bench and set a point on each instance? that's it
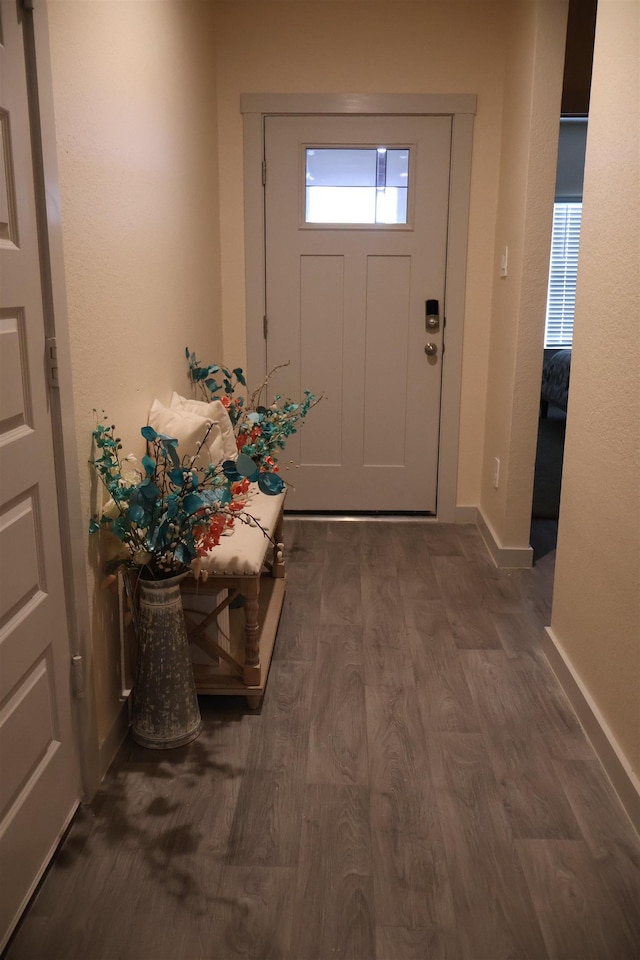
(245, 575)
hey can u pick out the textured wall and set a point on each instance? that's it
(533, 87)
(135, 88)
(134, 94)
(511, 56)
(596, 609)
(371, 47)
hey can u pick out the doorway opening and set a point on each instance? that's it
(563, 268)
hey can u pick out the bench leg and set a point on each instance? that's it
(252, 671)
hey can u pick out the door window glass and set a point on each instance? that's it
(356, 185)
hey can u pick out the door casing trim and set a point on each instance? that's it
(73, 528)
(461, 108)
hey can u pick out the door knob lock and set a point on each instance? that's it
(431, 315)
(431, 349)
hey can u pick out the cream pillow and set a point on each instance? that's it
(189, 430)
(214, 410)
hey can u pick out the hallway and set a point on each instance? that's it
(415, 786)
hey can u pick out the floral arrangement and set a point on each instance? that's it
(172, 511)
(261, 431)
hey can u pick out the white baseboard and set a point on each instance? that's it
(502, 556)
(615, 764)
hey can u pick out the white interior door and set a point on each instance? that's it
(356, 213)
(39, 770)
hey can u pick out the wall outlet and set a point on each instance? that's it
(496, 473)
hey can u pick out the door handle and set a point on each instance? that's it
(431, 349)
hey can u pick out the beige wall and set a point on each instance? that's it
(596, 609)
(138, 148)
(511, 56)
(371, 47)
(134, 97)
(533, 90)
(147, 116)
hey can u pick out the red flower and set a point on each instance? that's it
(270, 464)
(210, 538)
(240, 487)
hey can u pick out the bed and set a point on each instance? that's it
(555, 381)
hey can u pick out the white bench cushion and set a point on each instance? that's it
(242, 551)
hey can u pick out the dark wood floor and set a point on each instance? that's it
(415, 787)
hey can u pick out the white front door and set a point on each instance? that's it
(356, 212)
(39, 770)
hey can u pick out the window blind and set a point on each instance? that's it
(563, 271)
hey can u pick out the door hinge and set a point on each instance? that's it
(264, 173)
(52, 362)
(77, 677)
(265, 326)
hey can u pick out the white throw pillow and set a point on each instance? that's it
(188, 429)
(214, 410)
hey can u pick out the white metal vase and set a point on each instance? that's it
(165, 705)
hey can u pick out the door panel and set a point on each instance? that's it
(386, 348)
(321, 328)
(38, 761)
(346, 312)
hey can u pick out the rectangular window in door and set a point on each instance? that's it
(356, 186)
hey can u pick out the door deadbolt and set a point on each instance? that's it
(431, 349)
(431, 315)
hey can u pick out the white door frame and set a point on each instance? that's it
(461, 108)
(73, 525)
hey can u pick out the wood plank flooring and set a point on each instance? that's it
(414, 787)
